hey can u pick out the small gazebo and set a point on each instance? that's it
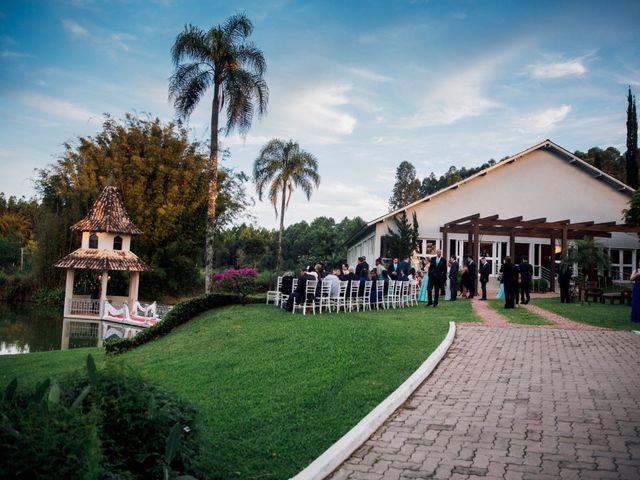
(106, 246)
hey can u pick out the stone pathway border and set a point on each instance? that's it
(340, 451)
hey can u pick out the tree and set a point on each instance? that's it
(631, 215)
(279, 167)
(407, 187)
(223, 59)
(608, 160)
(162, 176)
(589, 255)
(632, 142)
(403, 242)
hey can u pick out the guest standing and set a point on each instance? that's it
(510, 281)
(564, 279)
(453, 278)
(526, 273)
(485, 271)
(635, 296)
(473, 275)
(437, 277)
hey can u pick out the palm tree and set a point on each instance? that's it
(279, 167)
(220, 58)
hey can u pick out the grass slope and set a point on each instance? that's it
(518, 315)
(598, 314)
(274, 390)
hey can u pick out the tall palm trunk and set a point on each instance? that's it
(213, 190)
(282, 207)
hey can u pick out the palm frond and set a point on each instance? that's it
(237, 27)
(251, 58)
(187, 86)
(190, 44)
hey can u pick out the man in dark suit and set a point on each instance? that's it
(437, 277)
(473, 275)
(393, 271)
(362, 264)
(453, 277)
(526, 273)
(485, 271)
(405, 266)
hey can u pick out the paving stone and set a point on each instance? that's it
(517, 402)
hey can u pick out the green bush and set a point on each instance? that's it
(266, 281)
(50, 296)
(105, 425)
(539, 285)
(180, 314)
(17, 287)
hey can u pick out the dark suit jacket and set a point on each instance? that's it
(453, 271)
(509, 274)
(526, 272)
(473, 270)
(485, 271)
(404, 266)
(438, 270)
(360, 267)
(390, 270)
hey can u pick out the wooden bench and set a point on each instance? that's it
(616, 296)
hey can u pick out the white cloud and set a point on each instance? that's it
(13, 54)
(543, 121)
(570, 68)
(454, 97)
(368, 74)
(58, 107)
(74, 28)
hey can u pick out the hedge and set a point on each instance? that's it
(178, 315)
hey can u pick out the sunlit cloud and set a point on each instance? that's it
(368, 74)
(59, 107)
(570, 68)
(13, 54)
(543, 121)
(75, 29)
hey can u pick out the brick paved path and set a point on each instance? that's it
(517, 403)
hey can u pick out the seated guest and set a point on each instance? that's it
(402, 276)
(287, 283)
(345, 271)
(379, 270)
(299, 293)
(334, 279)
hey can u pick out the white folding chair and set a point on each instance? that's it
(365, 299)
(413, 293)
(404, 294)
(324, 299)
(379, 294)
(388, 297)
(274, 295)
(309, 298)
(341, 301)
(396, 299)
(354, 286)
(285, 296)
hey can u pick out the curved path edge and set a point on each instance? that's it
(340, 451)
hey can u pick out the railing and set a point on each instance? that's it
(83, 306)
(162, 310)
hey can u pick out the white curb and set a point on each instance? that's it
(337, 453)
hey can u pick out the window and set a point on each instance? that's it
(93, 241)
(117, 243)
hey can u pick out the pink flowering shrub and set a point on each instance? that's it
(240, 281)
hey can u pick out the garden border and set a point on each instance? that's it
(340, 451)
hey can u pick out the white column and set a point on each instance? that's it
(134, 282)
(104, 283)
(68, 290)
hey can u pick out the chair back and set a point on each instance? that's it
(310, 290)
(367, 289)
(391, 287)
(325, 289)
(353, 288)
(343, 288)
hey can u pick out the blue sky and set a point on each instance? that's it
(363, 85)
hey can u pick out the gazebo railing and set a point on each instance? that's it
(82, 306)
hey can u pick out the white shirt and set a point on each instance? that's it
(335, 285)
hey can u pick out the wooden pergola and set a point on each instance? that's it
(475, 225)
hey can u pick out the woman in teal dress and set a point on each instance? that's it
(423, 296)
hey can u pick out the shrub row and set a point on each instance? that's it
(107, 424)
(180, 314)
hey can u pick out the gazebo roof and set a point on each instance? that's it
(108, 215)
(94, 259)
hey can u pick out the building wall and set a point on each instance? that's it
(364, 247)
(105, 240)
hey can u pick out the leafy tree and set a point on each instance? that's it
(407, 187)
(162, 177)
(608, 160)
(279, 167)
(431, 184)
(632, 142)
(403, 242)
(589, 255)
(631, 215)
(223, 59)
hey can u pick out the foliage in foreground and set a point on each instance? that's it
(106, 424)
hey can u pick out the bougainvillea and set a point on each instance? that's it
(240, 281)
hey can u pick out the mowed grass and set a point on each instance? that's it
(518, 315)
(274, 390)
(597, 314)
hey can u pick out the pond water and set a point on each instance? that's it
(26, 327)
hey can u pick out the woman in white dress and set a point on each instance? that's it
(447, 288)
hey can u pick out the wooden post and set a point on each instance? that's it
(68, 291)
(104, 283)
(476, 253)
(512, 247)
(565, 238)
(445, 242)
(134, 281)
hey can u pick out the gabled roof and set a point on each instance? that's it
(545, 145)
(94, 259)
(108, 215)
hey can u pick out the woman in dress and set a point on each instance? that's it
(423, 296)
(635, 295)
(464, 280)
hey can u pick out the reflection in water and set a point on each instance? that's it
(29, 328)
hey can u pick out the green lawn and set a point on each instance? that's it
(274, 390)
(518, 315)
(601, 315)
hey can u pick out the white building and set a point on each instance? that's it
(546, 184)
